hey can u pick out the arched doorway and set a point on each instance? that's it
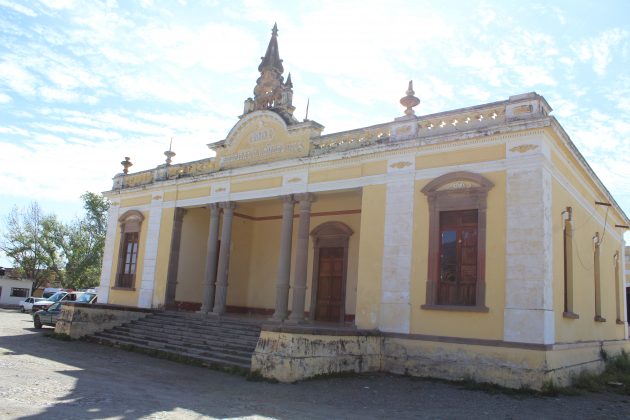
(330, 266)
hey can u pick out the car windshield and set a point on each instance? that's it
(54, 307)
(85, 298)
(57, 296)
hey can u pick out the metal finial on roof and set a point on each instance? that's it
(169, 154)
(410, 100)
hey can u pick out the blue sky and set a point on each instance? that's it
(85, 83)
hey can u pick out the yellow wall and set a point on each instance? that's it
(584, 228)
(134, 201)
(240, 262)
(263, 238)
(128, 297)
(163, 256)
(481, 154)
(192, 255)
(455, 323)
(370, 258)
(256, 184)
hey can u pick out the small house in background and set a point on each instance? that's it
(13, 289)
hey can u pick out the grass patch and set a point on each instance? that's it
(616, 376)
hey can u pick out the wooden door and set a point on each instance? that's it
(330, 284)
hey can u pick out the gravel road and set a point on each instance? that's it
(41, 377)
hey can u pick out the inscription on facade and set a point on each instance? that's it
(262, 135)
(263, 153)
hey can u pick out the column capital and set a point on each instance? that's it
(288, 199)
(212, 206)
(228, 205)
(180, 212)
(305, 199)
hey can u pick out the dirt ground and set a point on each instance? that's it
(41, 377)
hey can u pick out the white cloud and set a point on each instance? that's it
(598, 49)
(58, 4)
(18, 8)
(17, 78)
(4, 98)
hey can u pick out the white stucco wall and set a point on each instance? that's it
(7, 284)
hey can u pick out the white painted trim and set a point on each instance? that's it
(108, 253)
(375, 153)
(147, 284)
(395, 314)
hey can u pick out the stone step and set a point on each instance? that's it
(190, 337)
(199, 328)
(191, 331)
(202, 320)
(218, 343)
(206, 359)
(207, 321)
(240, 357)
(213, 341)
(225, 319)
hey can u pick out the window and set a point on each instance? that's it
(130, 224)
(567, 242)
(457, 284)
(457, 242)
(19, 292)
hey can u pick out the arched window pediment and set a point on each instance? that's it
(458, 182)
(332, 229)
(131, 221)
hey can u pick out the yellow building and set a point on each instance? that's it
(475, 242)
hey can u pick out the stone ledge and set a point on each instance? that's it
(319, 330)
(80, 319)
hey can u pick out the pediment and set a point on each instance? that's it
(261, 137)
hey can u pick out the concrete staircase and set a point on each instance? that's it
(221, 342)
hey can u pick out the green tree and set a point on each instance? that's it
(84, 241)
(42, 248)
(31, 242)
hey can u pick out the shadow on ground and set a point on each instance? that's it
(81, 380)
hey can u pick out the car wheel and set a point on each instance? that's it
(22, 309)
(37, 322)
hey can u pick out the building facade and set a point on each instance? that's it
(473, 242)
(13, 289)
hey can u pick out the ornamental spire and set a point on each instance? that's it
(270, 92)
(272, 56)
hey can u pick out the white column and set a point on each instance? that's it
(396, 275)
(108, 253)
(528, 314)
(145, 298)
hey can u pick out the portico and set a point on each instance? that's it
(260, 256)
